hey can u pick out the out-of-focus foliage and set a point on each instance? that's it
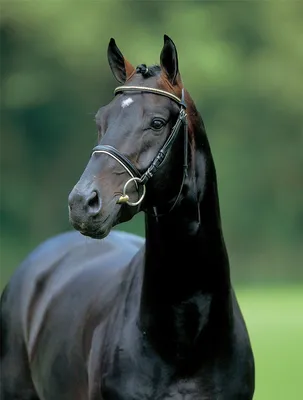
(242, 63)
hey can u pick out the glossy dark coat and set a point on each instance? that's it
(125, 318)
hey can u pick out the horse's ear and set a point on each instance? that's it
(169, 60)
(121, 68)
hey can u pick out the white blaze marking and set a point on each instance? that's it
(127, 102)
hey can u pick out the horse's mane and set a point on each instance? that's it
(148, 72)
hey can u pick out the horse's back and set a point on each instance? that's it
(67, 255)
(70, 282)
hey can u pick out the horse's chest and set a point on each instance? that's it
(183, 390)
(148, 378)
(153, 389)
(134, 371)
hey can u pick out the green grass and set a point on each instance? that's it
(274, 317)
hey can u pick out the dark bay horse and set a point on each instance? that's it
(125, 318)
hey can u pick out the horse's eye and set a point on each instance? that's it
(157, 124)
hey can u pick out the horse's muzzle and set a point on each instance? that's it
(84, 205)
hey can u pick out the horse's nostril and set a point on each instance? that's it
(93, 200)
(94, 203)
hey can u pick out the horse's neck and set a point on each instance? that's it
(186, 265)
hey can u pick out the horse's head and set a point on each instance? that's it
(138, 162)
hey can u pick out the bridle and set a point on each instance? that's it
(136, 177)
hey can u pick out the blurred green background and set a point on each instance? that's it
(243, 65)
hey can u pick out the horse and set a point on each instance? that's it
(127, 317)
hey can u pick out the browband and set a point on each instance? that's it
(121, 89)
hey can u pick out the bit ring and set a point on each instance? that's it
(125, 198)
